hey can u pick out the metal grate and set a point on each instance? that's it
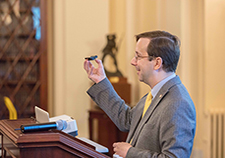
(20, 55)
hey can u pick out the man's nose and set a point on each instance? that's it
(133, 61)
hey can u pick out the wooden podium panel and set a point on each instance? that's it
(50, 144)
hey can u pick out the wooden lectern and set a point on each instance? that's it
(50, 144)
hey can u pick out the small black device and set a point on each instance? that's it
(91, 57)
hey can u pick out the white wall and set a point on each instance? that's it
(215, 52)
(214, 74)
(79, 31)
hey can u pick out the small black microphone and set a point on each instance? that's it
(59, 125)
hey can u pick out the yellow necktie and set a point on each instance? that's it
(147, 103)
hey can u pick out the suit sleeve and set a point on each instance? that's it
(104, 95)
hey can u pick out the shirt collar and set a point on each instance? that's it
(158, 86)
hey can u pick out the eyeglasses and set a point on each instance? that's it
(138, 57)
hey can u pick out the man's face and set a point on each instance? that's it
(141, 61)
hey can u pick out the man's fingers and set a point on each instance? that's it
(114, 145)
(90, 65)
(95, 74)
(99, 62)
(90, 71)
(85, 65)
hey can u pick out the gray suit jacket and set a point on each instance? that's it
(166, 130)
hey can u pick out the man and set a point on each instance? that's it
(167, 127)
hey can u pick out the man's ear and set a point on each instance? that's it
(158, 63)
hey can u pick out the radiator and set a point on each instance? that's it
(217, 134)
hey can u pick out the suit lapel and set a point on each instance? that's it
(152, 107)
(136, 118)
(155, 102)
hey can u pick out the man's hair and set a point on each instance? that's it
(165, 45)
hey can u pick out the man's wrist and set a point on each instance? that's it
(99, 80)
